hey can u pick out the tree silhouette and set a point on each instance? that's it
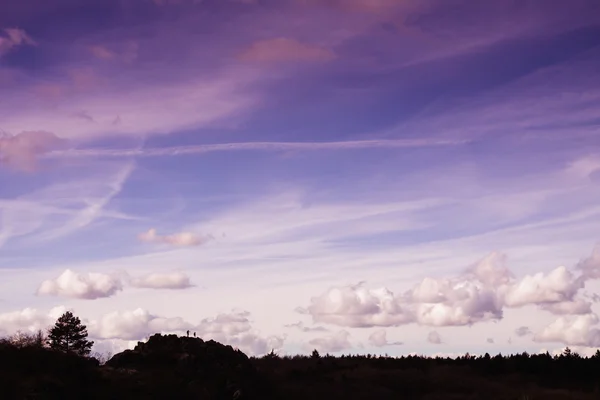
(69, 335)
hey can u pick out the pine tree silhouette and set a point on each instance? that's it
(69, 335)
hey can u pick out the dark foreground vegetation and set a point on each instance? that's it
(172, 367)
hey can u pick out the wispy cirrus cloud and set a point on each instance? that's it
(257, 146)
(63, 208)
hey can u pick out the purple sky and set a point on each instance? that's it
(382, 176)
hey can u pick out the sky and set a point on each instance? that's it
(352, 176)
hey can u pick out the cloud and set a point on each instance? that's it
(178, 239)
(134, 325)
(379, 339)
(560, 285)
(300, 325)
(573, 307)
(480, 294)
(590, 266)
(173, 280)
(434, 338)
(63, 208)
(433, 302)
(256, 146)
(356, 306)
(332, 343)
(14, 37)
(22, 150)
(235, 329)
(492, 270)
(522, 331)
(88, 286)
(193, 103)
(490, 340)
(284, 49)
(28, 319)
(575, 330)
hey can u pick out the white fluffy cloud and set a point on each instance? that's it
(577, 330)
(134, 325)
(379, 339)
(234, 329)
(28, 319)
(356, 306)
(560, 285)
(172, 280)
(332, 343)
(480, 294)
(81, 285)
(177, 239)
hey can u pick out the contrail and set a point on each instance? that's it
(256, 146)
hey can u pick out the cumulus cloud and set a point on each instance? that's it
(178, 239)
(81, 285)
(577, 330)
(356, 306)
(28, 319)
(173, 280)
(434, 338)
(479, 294)
(134, 325)
(560, 285)
(590, 266)
(492, 270)
(433, 302)
(236, 330)
(332, 343)
(284, 49)
(14, 37)
(379, 339)
(522, 331)
(22, 150)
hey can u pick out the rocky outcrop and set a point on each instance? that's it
(205, 368)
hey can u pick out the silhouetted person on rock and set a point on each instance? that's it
(194, 334)
(188, 333)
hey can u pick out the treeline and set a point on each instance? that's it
(33, 366)
(568, 374)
